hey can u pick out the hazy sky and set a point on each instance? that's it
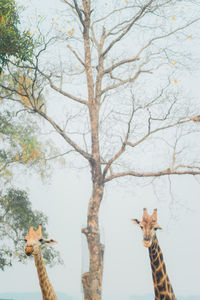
(127, 270)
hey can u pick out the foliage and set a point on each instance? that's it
(13, 42)
(18, 144)
(16, 216)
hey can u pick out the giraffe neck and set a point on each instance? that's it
(162, 286)
(48, 292)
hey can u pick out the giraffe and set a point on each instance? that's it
(162, 286)
(34, 241)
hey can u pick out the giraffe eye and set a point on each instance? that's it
(41, 240)
(141, 227)
(25, 240)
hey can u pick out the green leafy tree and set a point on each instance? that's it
(16, 216)
(18, 145)
(13, 42)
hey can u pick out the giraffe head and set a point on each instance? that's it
(149, 226)
(34, 241)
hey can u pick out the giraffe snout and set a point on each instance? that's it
(29, 251)
(147, 240)
(147, 243)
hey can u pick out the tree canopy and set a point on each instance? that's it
(18, 144)
(13, 42)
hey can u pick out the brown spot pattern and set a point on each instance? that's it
(162, 286)
(48, 292)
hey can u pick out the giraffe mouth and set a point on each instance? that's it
(147, 244)
(29, 251)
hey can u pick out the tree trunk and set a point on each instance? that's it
(92, 280)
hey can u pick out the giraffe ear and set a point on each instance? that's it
(31, 230)
(49, 242)
(158, 227)
(135, 221)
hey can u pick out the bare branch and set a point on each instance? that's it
(156, 130)
(123, 147)
(79, 12)
(53, 86)
(122, 62)
(66, 137)
(111, 13)
(187, 167)
(58, 155)
(70, 5)
(195, 118)
(152, 174)
(122, 82)
(165, 36)
(13, 91)
(139, 14)
(76, 55)
(93, 38)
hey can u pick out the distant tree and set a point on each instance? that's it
(19, 145)
(16, 216)
(13, 42)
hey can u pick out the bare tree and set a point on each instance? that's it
(118, 79)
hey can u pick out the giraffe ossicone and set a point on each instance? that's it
(34, 241)
(162, 286)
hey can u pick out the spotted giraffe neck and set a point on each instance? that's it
(162, 286)
(48, 292)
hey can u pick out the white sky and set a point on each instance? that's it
(127, 268)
